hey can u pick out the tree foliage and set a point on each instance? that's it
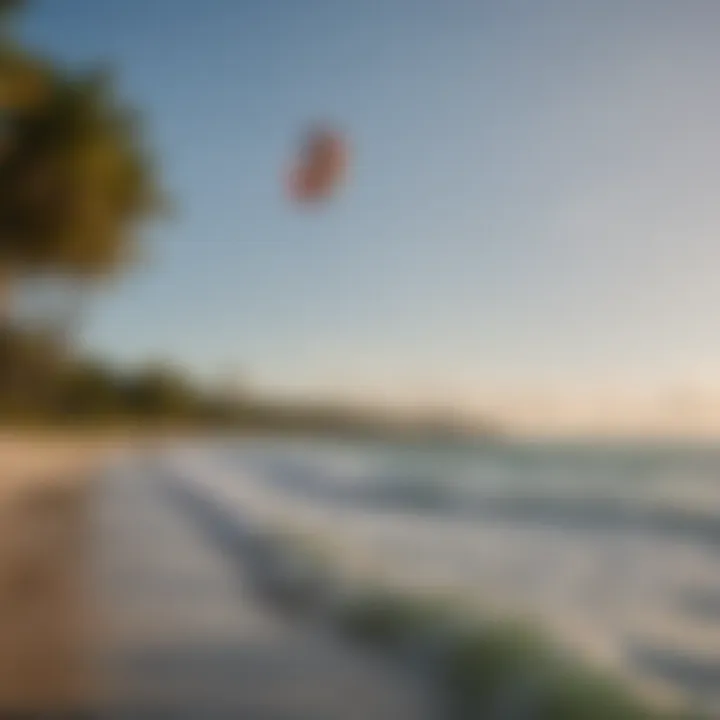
(54, 387)
(76, 182)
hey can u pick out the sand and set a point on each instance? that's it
(113, 598)
(190, 636)
(45, 658)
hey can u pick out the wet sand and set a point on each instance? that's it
(189, 636)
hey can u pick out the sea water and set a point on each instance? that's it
(615, 549)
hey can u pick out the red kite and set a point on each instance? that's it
(320, 167)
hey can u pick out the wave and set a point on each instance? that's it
(285, 575)
(487, 491)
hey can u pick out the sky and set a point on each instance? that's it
(529, 229)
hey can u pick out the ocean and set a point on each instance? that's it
(614, 549)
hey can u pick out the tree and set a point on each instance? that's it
(90, 389)
(76, 182)
(30, 364)
(159, 390)
(75, 179)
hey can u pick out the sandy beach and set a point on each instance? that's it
(114, 598)
(45, 611)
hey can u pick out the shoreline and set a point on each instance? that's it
(303, 576)
(45, 611)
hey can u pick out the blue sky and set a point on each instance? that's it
(532, 212)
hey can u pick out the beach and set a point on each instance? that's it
(115, 598)
(130, 577)
(187, 635)
(45, 608)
